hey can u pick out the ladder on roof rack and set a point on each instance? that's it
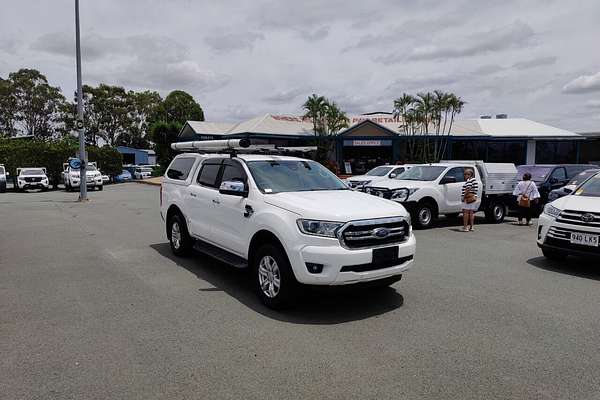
(235, 146)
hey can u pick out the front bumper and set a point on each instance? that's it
(549, 240)
(90, 183)
(334, 258)
(32, 185)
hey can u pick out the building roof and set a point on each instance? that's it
(294, 125)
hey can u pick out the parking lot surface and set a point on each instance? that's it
(94, 306)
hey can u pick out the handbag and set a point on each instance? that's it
(524, 200)
(470, 197)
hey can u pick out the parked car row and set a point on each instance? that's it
(139, 171)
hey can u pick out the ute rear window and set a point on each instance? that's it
(180, 168)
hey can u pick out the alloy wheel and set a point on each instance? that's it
(269, 276)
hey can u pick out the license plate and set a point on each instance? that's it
(385, 254)
(584, 239)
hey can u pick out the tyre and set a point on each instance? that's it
(100, 187)
(179, 238)
(274, 279)
(495, 212)
(2, 187)
(555, 255)
(68, 187)
(424, 215)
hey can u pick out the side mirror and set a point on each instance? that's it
(553, 181)
(448, 179)
(393, 175)
(233, 188)
(7, 174)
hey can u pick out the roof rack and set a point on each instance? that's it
(235, 146)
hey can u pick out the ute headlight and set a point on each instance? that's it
(402, 194)
(552, 211)
(319, 228)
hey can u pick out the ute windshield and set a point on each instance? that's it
(422, 173)
(33, 171)
(582, 176)
(379, 171)
(538, 174)
(591, 187)
(278, 176)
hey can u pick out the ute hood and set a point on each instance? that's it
(398, 183)
(361, 178)
(578, 203)
(336, 205)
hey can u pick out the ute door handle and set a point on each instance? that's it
(193, 194)
(216, 201)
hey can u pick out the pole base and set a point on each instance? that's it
(81, 200)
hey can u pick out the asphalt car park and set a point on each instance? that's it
(93, 305)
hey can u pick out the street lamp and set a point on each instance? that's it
(79, 123)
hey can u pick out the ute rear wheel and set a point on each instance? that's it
(495, 212)
(180, 240)
(274, 280)
(424, 215)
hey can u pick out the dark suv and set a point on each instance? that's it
(548, 177)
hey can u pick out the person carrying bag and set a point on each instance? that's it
(527, 193)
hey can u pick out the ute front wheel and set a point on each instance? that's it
(274, 279)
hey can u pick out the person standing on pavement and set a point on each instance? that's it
(469, 200)
(527, 194)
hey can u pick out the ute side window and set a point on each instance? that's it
(559, 174)
(180, 168)
(458, 173)
(209, 172)
(233, 171)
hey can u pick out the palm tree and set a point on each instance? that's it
(315, 109)
(456, 105)
(335, 118)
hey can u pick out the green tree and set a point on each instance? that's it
(8, 108)
(145, 110)
(163, 134)
(38, 105)
(180, 107)
(107, 113)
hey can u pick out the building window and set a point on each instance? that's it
(469, 150)
(507, 152)
(590, 151)
(555, 152)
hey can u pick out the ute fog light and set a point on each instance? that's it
(314, 268)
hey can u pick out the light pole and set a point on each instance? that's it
(79, 123)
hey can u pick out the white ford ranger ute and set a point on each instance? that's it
(290, 220)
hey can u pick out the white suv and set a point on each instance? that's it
(571, 224)
(71, 177)
(32, 178)
(289, 219)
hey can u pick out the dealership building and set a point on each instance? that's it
(379, 138)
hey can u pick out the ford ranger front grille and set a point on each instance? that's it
(374, 232)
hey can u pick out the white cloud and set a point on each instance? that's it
(224, 42)
(583, 84)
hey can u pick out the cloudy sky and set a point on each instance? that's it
(531, 59)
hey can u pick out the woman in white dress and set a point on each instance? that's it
(527, 194)
(470, 192)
